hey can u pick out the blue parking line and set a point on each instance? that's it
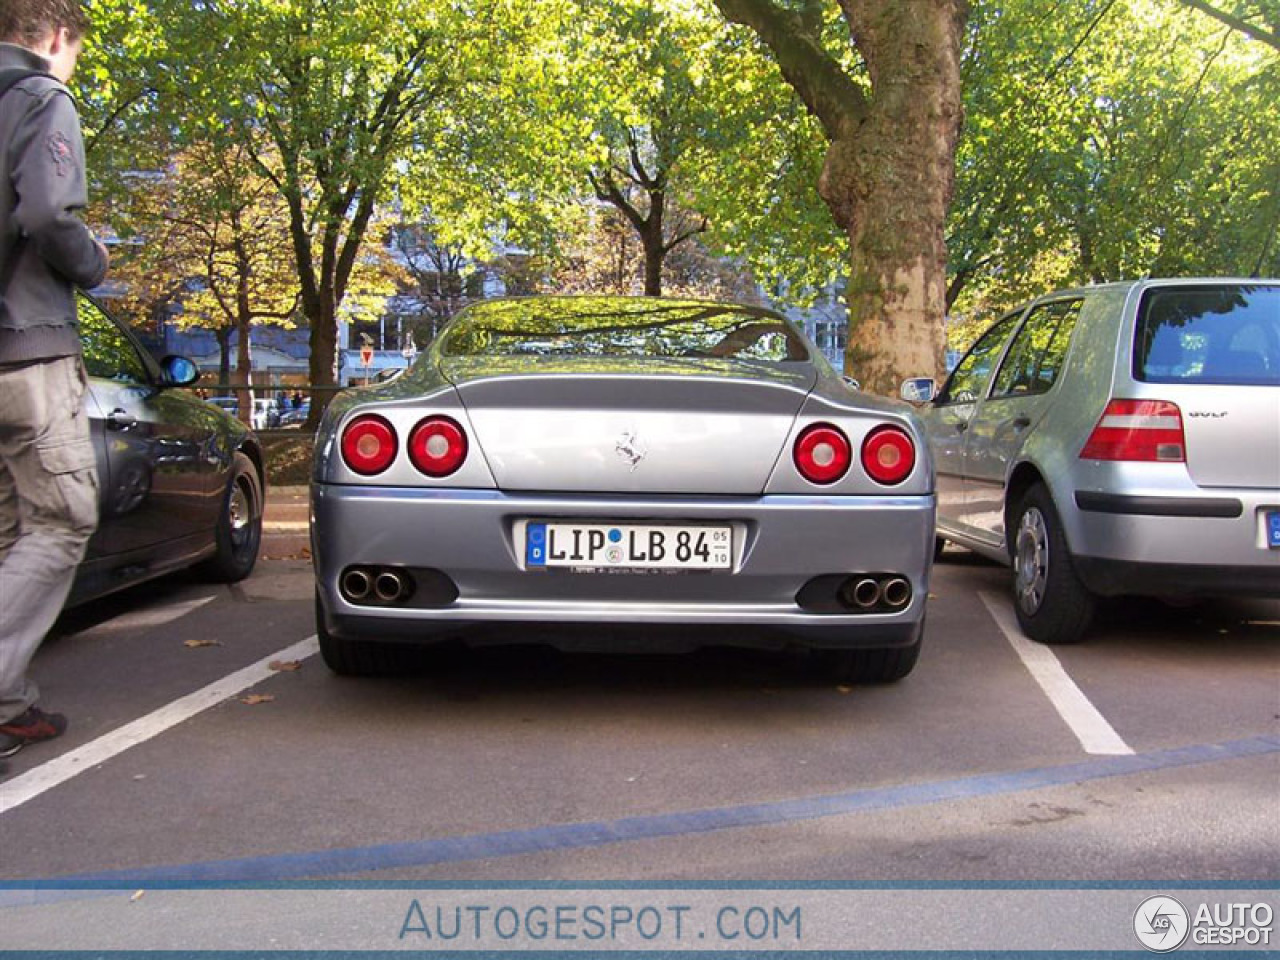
(576, 836)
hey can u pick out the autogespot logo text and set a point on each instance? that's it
(1161, 923)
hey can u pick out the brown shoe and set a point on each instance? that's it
(31, 727)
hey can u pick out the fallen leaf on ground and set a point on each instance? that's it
(200, 642)
(137, 896)
(844, 689)
(256, 698)
(285, 665)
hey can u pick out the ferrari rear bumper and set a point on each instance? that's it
(782, 544)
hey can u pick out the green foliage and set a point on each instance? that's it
(1111, 139)
(759, 186)
(117, 99)
(1103, 138)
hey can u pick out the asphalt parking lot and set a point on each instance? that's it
(209, 743)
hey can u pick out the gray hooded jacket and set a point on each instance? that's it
(46, 251)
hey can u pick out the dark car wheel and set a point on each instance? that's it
(939, 545)
(870, 666)
(1053, 606)
(239, 531)
(360, 658)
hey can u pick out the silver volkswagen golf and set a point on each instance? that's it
(694, 469)
(1118, 439)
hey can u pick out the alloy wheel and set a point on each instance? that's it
(240, 512)
(1031, 564)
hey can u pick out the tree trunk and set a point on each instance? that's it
(889, 168)
(224, 354)
(653, 257)
(244, 371)
(323, 364)
(889, 182)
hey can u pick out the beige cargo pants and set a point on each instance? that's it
(48, 510)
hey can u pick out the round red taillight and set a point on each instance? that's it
(368, 444)
(888, 455)
(822, 453)
(437, 446)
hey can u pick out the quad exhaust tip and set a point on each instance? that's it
(388, 586)
(376, 586)
(865, 593)
(897, 593)
(356, 584)
(876, 593)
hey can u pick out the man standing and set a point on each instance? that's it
(48, 484)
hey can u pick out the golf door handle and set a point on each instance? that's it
(961, 425)
(1021, 423)
(119, 419)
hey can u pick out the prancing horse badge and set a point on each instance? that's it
(631, 449)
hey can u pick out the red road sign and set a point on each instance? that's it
(366, 356)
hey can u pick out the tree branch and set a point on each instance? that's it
(823, 85)
(608, 192)
(682, 237)
(1236, 23)
(112, 117)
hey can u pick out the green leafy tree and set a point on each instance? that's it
(348, 96)
(602, 253)
(1110, 140)
(213, 241)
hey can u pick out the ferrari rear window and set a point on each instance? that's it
(614, 327)
(1227, 334)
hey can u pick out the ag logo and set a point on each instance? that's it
(1162, 924)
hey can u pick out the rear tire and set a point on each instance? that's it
(1053, 605)
(238, 534)
(873, 665)
(359, 658)
(939, 544)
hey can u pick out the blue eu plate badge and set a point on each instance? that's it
(535, 545)
(1273, 528)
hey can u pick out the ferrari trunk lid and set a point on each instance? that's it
(631, 426)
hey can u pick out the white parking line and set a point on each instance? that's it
(15, 792)
(156, 616)
(1090, 727)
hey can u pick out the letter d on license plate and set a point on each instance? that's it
(628, 546)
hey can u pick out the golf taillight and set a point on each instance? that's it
(437, 446)
(368, 444)
(1142, 430)
(822, 453)
(888, 455)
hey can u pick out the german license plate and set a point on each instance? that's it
(628, 546)
(1273, 528)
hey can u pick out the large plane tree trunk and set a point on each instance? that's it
(890, 165)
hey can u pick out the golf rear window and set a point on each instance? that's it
(1227, 335)
(609, 327)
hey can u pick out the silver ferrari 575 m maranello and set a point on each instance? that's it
(694, 471)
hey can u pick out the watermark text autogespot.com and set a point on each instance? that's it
(602, 923)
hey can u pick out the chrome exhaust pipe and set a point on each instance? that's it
(356, 584)
(388, 587)
(897, 592)
(866, 593)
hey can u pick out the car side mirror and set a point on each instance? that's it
(918, 390)
(178, 372)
